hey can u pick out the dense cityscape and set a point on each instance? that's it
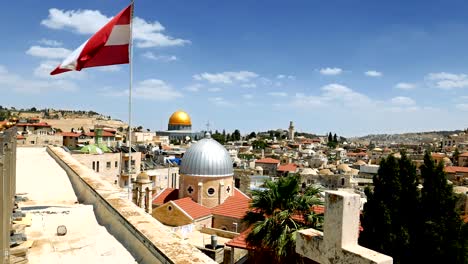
(234, 132)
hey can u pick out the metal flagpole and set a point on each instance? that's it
(130, 105)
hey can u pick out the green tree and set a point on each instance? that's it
(330, 138)
(335, 138)
(440, 238)
(218, 137)
(236, 135)
(389, 218)
(252, 135)
(259, 144)
(278, 212)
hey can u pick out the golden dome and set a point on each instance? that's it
(180, 118)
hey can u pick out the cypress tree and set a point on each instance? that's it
(440, 238)
(389, 215)
(455, 156)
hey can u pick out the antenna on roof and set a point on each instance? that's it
(208, 126)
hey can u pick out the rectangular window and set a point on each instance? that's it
(116, 164)
(108, 165)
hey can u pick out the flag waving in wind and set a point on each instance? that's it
(109, 46)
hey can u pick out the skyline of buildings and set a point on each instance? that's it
(258, 66)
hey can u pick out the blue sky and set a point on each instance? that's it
(351, 67)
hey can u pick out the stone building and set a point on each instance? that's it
(206, 173)
(268, 165)
(206, 185)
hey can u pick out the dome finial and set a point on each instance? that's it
(207, 134)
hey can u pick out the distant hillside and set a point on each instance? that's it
(63, 119)
(416, 137)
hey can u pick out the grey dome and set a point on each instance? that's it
(207, 158)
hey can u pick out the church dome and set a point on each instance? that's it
(180, 118)
(143, 177)
(207, 158)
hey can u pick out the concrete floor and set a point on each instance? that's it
(52, 202)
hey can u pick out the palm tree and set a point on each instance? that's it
(278, 212)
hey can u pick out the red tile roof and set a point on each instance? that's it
(455, 169)
(239, 241)
(438, 155)
(291, 167)
(20, 137)
(268, 161)
(165, 196)
(192, 208)
(464, 154)
(104, 134)
(234, 206)
(70, 134)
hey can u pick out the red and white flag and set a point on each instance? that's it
(108, 46)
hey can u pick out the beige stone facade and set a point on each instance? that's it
(107, 164)
(170, 214)
(228, 223)
(40, 140)
(207, 191)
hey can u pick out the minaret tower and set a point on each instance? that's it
(291, 130)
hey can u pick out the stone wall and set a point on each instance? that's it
(41, 140)
(7, 189)
(147, 239)
(222, 222)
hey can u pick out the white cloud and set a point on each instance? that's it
(50, 42)
(405, 86)
(333, 94)
(215, 89)
(226, 77)
(463, 107)
(164, 58)
(373, 73)
(330, 71)
(265, 81)
(150, 89)
(278, 83)
(338, 92)
(48, 52)
(220, 101)
(402, 101)
(19, 84)
(278, 94)
(248, 96)
(447, 81)
(45, 67)
(249, 85)
(110, 68)
(146, 34)
(156, 90)
(284, 76)
(194, 87)
(342, 98)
